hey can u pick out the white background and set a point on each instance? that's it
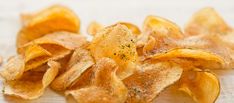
(108, 12)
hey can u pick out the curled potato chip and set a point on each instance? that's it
(150, 80)
(35, 51)
(56, 51)
(94, 27)
(162, 27)
(83, 61)
(54, 18)
(25, 18)
(118, 43)
(206, 21)
(14, 68)
(135, 30)
(65, 39)
(202, 86)
(32, 84)
(105, 86)
(189, 53)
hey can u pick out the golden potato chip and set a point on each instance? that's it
(25, 18)
(135, 30)
(54, 18)
(206, 21)
(189, 53)
(150, 80)
(94, 27)
(35, 51)
(162, 27)
(65, 39)
(106, 87)
(56, 51)
(32, 84)
(82, 61)
(208, 43)
(118, 43)
(202, 86)
(14, 68)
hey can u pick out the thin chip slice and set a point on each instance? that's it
(162, 26)
(150, 80)
(25, 18)
(32, 84)
(69, 77)
(56, 51)
(202, 86)
(35, 51)
(135, 30)
(94, 27)
(106, 87)
(206, 21)
(189, 53)
(65, 39)
(14, 68)
(54, 18)
(118, 43)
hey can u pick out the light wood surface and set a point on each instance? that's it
(109, 12)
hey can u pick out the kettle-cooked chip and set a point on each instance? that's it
(65, 39)
(56, 51)
(202, 86)
(35, 51)
(118, 43)
(162, 26)
(105, 86)
(94, 27)
(32, 84)
(14, 68)
(54, 18)
(82, 61)
(206, 21)
(150, 80)
(135, 30)
(189, 53)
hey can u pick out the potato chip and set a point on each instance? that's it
(202, 86)
(14, 68)
(82, 61)
(162, 27)
(65, 39)
(118, 43)
(105, 86)
(35, 51)
(189, 53)
(54, 18)
(32, 84)
(56, 51)
(206, 21)
(94, 27)
(135, 30)
(25, 18)
(150, 80)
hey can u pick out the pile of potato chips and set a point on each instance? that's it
(122, 63)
